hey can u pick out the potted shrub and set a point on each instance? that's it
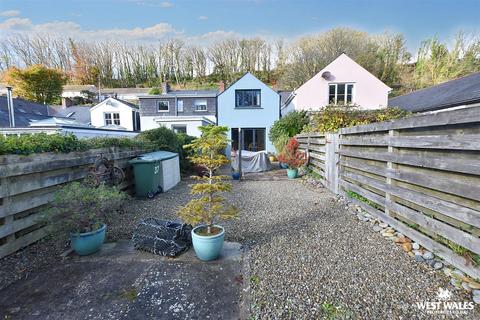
(293, 157)
(208, 205)
(83, 212)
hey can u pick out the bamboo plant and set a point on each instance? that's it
(208, 205)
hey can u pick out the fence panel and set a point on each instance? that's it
(422, 176)
(27, 183)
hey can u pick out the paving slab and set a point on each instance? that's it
(120, 282)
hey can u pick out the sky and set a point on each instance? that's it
(205, 21)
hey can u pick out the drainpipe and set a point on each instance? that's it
(176, 106)
(11, 112)
(240, 147)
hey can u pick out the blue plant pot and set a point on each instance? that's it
(88, 242)
(236, 176)
(292, 173)
(283, 165)
(208, 248)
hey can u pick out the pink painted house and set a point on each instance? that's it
(343, 81)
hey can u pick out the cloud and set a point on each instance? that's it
(203, 18)
(9, 13)
(166, 4)
(16, 24)
(150, 34)
(153, 3)
(156, 32)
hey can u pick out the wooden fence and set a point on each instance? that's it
(28, 182)
(419, 174)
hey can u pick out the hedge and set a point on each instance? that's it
(64, 143)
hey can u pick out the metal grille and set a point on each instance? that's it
(162, 237)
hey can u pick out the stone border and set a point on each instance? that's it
(458, 279)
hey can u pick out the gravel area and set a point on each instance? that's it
(309, 257)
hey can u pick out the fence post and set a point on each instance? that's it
(390, 166)
(331, 161)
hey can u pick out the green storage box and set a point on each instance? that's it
(149, 172)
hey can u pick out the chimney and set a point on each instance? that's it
(165, 87)
(11, 111)
(221, 86)
(66, 102)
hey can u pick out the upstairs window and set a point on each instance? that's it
(112, 118)
(200, 105)
(180, 105)
(247, 98)
(163, 106)
(340, 93)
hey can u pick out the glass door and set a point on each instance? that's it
(253, 139)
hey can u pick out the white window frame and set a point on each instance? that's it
(179, 125)
(196, 105)
(168, 106)
(112, 118)
(180, 105)
(336, 92)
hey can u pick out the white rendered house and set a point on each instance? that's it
(115, 113)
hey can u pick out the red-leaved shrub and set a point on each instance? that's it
(292, 156)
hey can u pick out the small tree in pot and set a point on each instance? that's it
(293, 157)
(83, 212)
(208, 205)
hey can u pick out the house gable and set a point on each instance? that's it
(259, 117)
(368, 91)
(125, 110)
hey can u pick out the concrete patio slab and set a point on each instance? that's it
(120, 282)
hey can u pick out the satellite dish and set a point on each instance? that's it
(326, 75)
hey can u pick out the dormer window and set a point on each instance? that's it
(200, 105)
(340, 93)
(247, 98)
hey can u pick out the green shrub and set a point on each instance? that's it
(165, 139)
(333, 117)
(155, 91)
(42, 142)
(78, 208)
(162, 138)
(287, 127)
(280, 143)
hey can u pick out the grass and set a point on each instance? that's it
(255, 280)
(130, 294)
(461, 251)
(355, 195)
(331, 311)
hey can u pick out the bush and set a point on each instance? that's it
(287, 127)
(280, 143)
(162, 138)
(165, 139)
(77, 208)
(333, 117)
(155, 91)
(292, 156)
(42, 142)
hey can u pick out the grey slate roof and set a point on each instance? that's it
(284, 95)
(449, 94)
(79, 113)
(25, 112)
(184, 93)
(132, 105)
